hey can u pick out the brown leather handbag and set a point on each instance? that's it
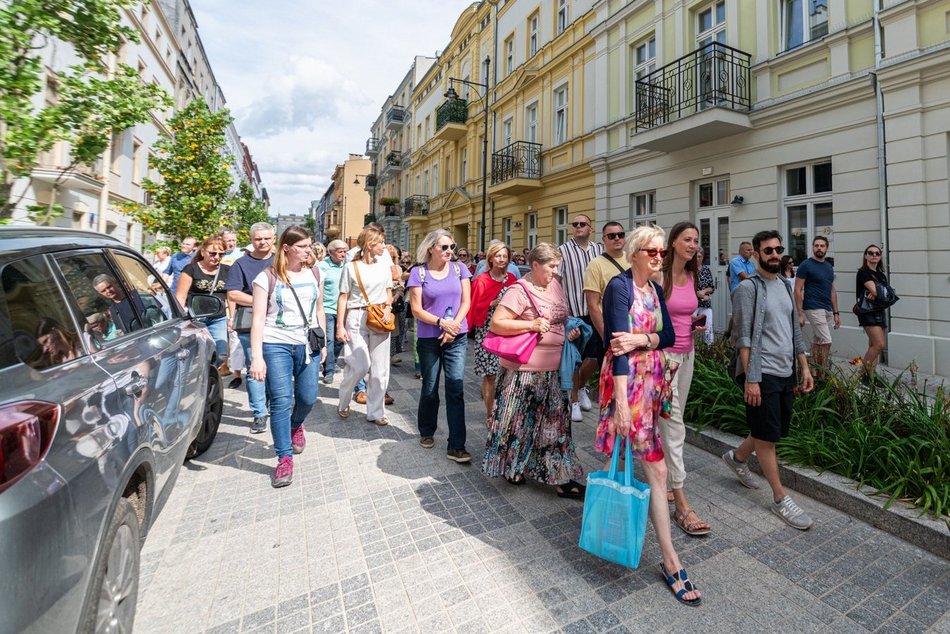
(375, 313)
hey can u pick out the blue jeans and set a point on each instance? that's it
(333, 347)
(434, 358)
(256, 390)
(219, 332)
(292, 385)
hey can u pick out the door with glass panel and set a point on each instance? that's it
(710, 27)
(712, 218)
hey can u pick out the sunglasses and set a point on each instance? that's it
(214, 254)
(873, 254)
(616, 236)
(463, 255)
(578, 225)
(655, 252)
(771, 250)
(447, 247)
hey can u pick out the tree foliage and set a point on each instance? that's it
(88, 105)
(246, 210)
(193, 195)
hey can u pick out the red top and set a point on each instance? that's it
(484, 292)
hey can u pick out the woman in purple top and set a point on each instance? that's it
(440, 294)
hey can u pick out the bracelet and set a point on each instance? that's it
(438, 322)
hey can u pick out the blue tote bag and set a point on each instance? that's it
(615, 511)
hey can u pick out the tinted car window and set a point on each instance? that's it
(148, 291)
(102, 298)
(37, 327)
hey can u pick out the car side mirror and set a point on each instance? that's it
(205, 307)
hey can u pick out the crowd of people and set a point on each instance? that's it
(633, 306)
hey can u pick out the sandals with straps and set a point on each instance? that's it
(696, 527)
(688, 586)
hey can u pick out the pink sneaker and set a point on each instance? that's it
(297, 440)
(284, 474)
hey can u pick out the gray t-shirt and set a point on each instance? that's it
(777, 345)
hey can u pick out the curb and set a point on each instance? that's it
(844, 494)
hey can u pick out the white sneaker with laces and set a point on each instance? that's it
(584, 399)
(576, 414)
(792, 514)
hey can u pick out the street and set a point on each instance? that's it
(377, 534)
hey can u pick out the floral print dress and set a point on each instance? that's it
(649, 385)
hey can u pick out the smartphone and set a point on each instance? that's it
(698, 322)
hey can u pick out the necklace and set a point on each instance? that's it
(540, 289)
(504, 276)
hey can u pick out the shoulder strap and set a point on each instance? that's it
(271, 281)
(359, 281)
(527, 292)
(316, 274)
(303, 313)
(613, 261)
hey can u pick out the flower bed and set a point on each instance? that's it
(890, 438)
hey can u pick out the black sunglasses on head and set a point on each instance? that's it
(771, 250)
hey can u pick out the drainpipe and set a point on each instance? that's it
(881, 147)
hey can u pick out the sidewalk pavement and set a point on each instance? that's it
(377, 534)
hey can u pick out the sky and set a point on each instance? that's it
(306, 79)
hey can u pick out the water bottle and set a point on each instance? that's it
(449, 313)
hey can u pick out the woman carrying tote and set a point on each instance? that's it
(286, 304)
(440, 295)
(367, 281)
(485, 291)
(205, 275)
(868, 277)
(531, 428)
(635, 384)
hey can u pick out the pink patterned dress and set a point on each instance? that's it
(649, 385)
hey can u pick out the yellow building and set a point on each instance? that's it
(539, 126)
(351, 205)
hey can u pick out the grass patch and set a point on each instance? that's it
(891, 438)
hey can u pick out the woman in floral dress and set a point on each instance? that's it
(635, 384)
(531, 429)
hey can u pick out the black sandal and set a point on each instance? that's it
(518, 480)
(688, 586)
(572, 490)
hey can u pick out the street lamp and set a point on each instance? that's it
(372, 194)
(451, 95)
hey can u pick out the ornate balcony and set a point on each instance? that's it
(450, 120)
(516, 169)
(395, 118)
(372, 147)
(415, 207)
(393, 163)
(703, 96)
(370, 183)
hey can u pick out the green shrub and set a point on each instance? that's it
(891, 438)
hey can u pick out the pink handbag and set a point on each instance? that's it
(515, 348)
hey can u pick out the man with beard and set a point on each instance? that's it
(768, 342)
(817, 299)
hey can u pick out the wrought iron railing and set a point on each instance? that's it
(370, 182)
(715, 75)
(372, 146)
(415, 205)
(451, 111)
(394, 159)
(521, 159)
(396, 114)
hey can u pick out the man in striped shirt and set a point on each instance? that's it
(576, 255)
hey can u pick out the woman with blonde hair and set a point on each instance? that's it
(440, 296)
(205, 275)
(319, 252)
(486, 291)
(163, 263)
(530, 426)
(286, 304)
(635, 384)
(366, 280)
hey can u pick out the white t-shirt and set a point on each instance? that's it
(284, 323)
(383, 257)
(376, 279)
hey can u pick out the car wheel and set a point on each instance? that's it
(214, 407)
(110, 603)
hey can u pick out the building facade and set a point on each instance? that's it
(348, 212)
(816, 118)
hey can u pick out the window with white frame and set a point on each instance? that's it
(448, 174)
(510, 55)
(711, 24)
(642, 209)
(644, 62)
(136, 161)
(807, 202)
(803, 21)
(463, 166)
(559, 123)
(533, 34)
(714, 193)
(532, 230)
(507, 127)
(563, 15)
(562, 228)
(531, 123)
(425, 183)
(506, 230)
(435, 180)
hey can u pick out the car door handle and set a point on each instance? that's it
(135, 386)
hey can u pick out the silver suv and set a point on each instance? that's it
(106, 385)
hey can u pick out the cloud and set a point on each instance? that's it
(306, 79)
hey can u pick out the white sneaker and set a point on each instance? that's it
(576, 414)
(584, 399)
(791, 514)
